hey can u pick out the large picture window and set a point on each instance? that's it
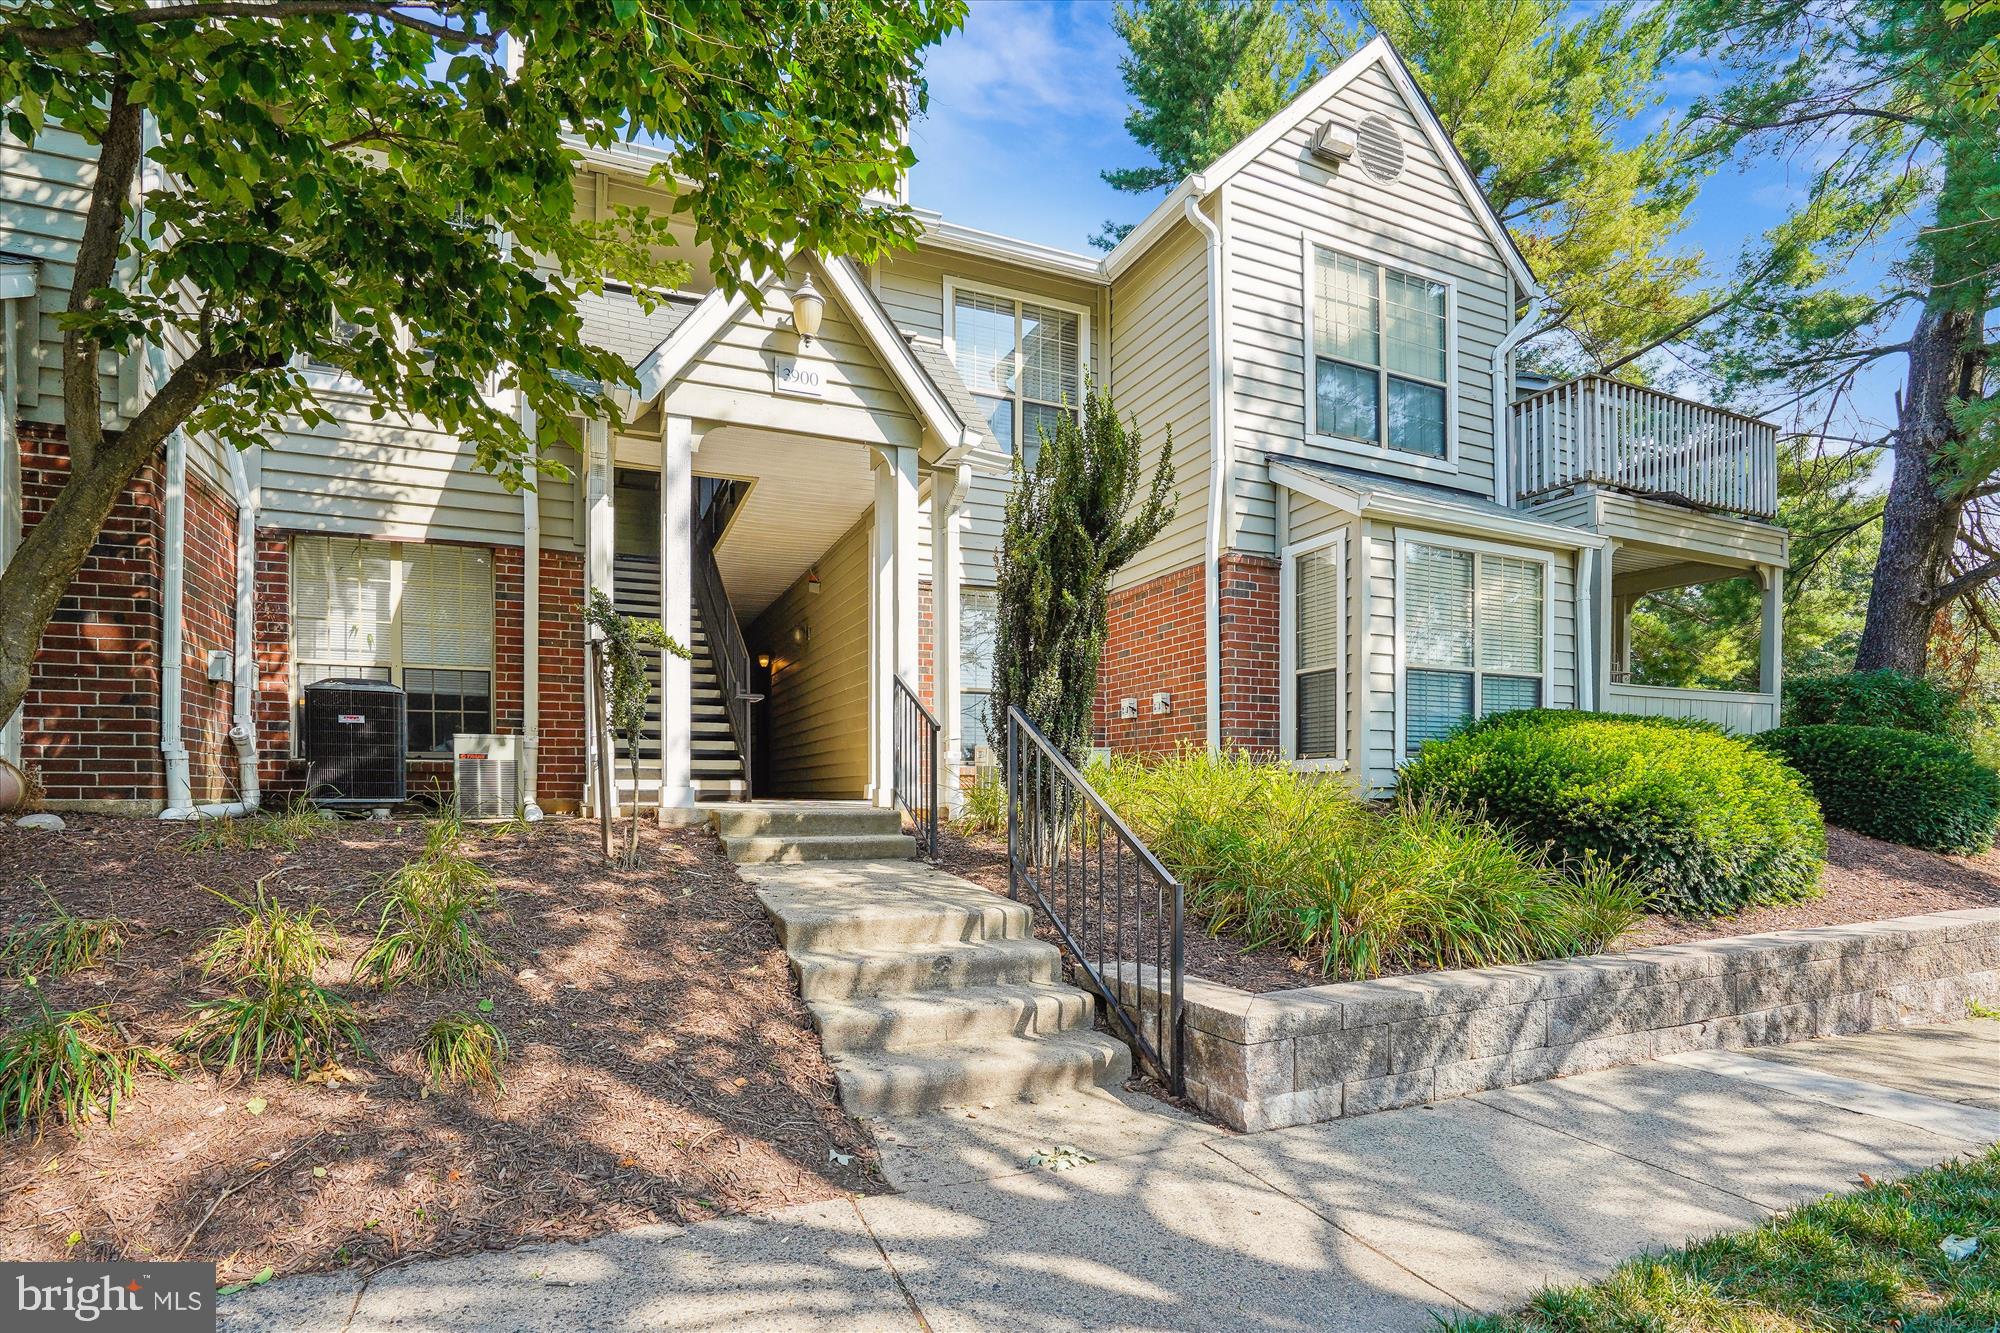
(1317, 653)
(1023, 361)
(420, 616)
(1475, 637)
(1381, 355)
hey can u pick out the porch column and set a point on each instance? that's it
(947, 494)
(1604, 606)
(894, 604)
(1771, 649)
(598, 527)
(676, 616)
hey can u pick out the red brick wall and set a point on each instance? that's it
(1155, 644)
(91, 718)
(208, 623)
(281, 776)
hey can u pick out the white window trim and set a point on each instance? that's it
(1288, 650)
(1381, 452)
(1406, 538)
(953, 285)
(393, 659)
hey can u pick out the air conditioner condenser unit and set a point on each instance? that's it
(486, 772)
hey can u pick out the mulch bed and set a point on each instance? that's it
(1865, 880)
(662, 1066)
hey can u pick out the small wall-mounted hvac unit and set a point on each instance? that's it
(355, 734)
(487, 776)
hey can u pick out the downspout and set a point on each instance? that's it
(1218, 471)
(531, 628)
(1503, 448)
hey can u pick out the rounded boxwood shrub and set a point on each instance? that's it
(1563, 717)
(1876, 699)
(1901, 786)
(1702, 822)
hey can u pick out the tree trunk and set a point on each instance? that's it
(1920, 522)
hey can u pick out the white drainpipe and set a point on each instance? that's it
(531, 631)
(1503, 449)
(1219, 446)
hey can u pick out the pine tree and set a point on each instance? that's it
(1076, 517)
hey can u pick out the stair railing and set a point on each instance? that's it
(1112, 904)
(726, 647)
(916, 733)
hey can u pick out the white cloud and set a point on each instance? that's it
(1018, 62)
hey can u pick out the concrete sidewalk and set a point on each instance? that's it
(1377, 1223)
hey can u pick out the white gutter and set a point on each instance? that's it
(1503, 450)
(531, 627)
(1219, 445)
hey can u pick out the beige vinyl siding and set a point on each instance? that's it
(818, 715)
(1272, 209)
(365, 478)
(44, 195)
(1159, 360)
(731, 380)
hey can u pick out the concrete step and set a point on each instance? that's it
(879, 905)
(910, 1082)
(846, 974)
(976, 1014)
(790, 850)
(809, 819)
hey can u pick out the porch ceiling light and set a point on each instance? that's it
(807, 308)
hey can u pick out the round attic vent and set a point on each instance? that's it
(1380, 148)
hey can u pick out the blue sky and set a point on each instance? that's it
(1026, 107)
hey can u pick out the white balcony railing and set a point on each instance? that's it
(1743, 712)
(1640, 440)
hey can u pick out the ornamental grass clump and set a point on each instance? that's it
(278, 1013)
(1704, 824)
(429, 928)
(268, 940)
(464, 1050)
(1294, 861)
(62, 944)
(283, 830)
(62, 1068)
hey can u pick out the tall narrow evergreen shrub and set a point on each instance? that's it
(1079, 514)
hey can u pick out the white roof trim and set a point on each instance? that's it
(1359, 498)
(1378, 51)
(667, 362)
(961, 239)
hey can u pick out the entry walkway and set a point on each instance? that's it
(1377, 1223)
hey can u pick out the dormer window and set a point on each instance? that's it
(1381, 340)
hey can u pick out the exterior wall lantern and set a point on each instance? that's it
(807, 308)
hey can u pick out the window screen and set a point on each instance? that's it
(1319, 683)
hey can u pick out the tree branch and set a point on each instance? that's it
(73, 35)
(1813, 118)
(96, 256)
(1970, 581)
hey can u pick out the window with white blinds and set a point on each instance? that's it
(978, 627)
(1023, 361)
(1381, 342)
(1319, 654)
(1475, 635)
(419, 615)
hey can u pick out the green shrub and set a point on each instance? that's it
(63, 944)
(428, 931)
(1922, 791)
(984, 808)
(270, 941)
(287, 1021)
(466, 1050)
(63, 1067)
(1279, 858)
(1562, 717)
(1703, 823)
(299, 822)
(1876, 699)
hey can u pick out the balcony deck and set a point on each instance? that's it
(1603, 432)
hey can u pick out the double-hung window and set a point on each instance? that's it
(1475, 631)
(418, 615)
(1381, 355)
(1023, 361)
(978, 628)
(1317, 653)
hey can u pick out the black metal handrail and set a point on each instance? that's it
(916, 770)
(1115, 908)
(726, 647)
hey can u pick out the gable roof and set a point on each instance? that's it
(714, 312)
(616, 322)
(1377, 53)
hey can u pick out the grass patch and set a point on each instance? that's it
(428, 930)
(289, 1022)
(61, 1068)
(271, 941)
(286, 829)
(62, 944)
(1864, 1261)
(983, 808)
(465, 1051)
(1278, 858)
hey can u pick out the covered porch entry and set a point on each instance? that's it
(774, 499)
